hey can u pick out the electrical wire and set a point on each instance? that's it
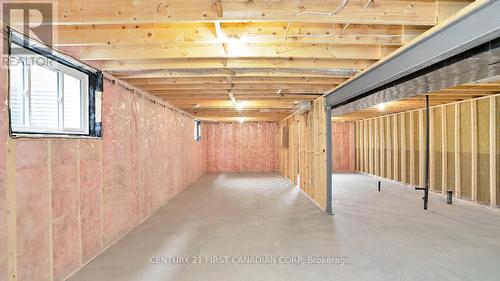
(143, 95)
(336, 11)
(250, 36)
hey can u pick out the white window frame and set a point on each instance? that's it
(197, 130)
(61, 71)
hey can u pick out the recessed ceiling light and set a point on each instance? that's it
(381, 106)
(238, 105)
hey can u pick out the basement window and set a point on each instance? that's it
(197, 130)
(48, 98)
(50, 93)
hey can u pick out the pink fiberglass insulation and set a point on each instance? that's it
(33, 210)
(211, 146)
(253, 147)
(120, 195)
(81, 195)
(342, 146)
(272, 150)
(336, 146)
(3, 174)
(247, 147)
(237, 147)
(348, 151)
(65, 207)
(261, 146)
(228, 147)
(90, 198)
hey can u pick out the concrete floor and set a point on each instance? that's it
(386, 235)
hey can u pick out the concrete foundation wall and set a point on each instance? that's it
(463, 148)
(69, 199)
(247, 147)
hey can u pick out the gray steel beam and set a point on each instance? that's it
(473, 29)
(478, 67)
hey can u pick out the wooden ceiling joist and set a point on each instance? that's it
(268, 33)
(234, 80)
(239, 86)
(271, 55)
(241, 50)
(135, 12)
(258, 72)
(234, 63)
(218, 97)
(273, 92)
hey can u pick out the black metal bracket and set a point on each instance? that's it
(449, 197)
(426, 195)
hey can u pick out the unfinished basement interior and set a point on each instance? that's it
(250, 140)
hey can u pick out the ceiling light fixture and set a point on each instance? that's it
(238, 105)
(381, 106)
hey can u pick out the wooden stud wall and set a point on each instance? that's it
(464, 148)
(305, 157)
